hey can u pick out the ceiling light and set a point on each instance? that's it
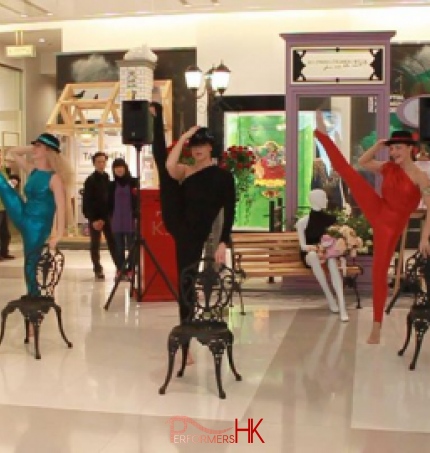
(193, 77)
(42, 40)
(220, 78)
(216, 80)
(24, 15)
(49, 14)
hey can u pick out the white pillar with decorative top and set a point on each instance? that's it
(136, 74)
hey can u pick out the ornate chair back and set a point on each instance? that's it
(417, 270)
(418, 319)
(49, 270)
(208, 289)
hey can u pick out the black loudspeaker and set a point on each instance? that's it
(424, 119)
(136, 123)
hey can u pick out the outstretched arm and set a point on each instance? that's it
(159, 142)
(18, 153)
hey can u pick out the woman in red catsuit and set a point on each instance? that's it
(402, 187)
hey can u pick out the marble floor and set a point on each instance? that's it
(310, 383)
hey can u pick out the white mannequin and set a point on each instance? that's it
(318, 201)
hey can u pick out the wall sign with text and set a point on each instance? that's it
(338, 65)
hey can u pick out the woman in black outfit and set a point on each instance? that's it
(192, 196)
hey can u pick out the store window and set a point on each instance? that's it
(10, 107)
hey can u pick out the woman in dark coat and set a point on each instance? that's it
(122, 202)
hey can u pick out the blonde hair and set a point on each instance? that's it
(61, 167)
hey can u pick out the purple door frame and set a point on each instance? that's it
(293, 92)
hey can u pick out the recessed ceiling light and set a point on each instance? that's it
(49, 14)
(42, 40)
(24, 15)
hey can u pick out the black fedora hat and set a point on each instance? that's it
(404, 137)
(202, 136)
(49, 140)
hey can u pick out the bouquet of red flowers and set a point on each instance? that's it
(240, 160)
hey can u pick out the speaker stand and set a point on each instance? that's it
(134, 258)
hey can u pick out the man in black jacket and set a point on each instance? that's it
(95, 209)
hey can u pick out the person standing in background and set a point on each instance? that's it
(95, 209)
(122, 210)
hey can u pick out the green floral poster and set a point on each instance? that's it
(264, 134)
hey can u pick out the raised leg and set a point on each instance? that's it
(229, 345)
(169, 187)
(185, 349)
(173, 345)
(217, 349)
(57, 309)
(420, 329)
(364, 194)
(408, 334)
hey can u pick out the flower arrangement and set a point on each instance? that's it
(339, 240)
(361, 226)
(240, 160)
(330, 247)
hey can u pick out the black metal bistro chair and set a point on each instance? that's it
(411, 279)
(33, 308)
(418, 318)
(208, 291)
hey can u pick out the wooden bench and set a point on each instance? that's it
(278, 255)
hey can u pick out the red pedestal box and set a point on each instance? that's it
(161, 245)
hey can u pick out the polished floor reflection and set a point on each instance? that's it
(314, 382)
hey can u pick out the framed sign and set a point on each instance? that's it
(337, 65)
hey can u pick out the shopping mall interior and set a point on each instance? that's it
(310, 381)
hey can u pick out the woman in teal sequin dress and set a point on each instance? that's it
(45, 197)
